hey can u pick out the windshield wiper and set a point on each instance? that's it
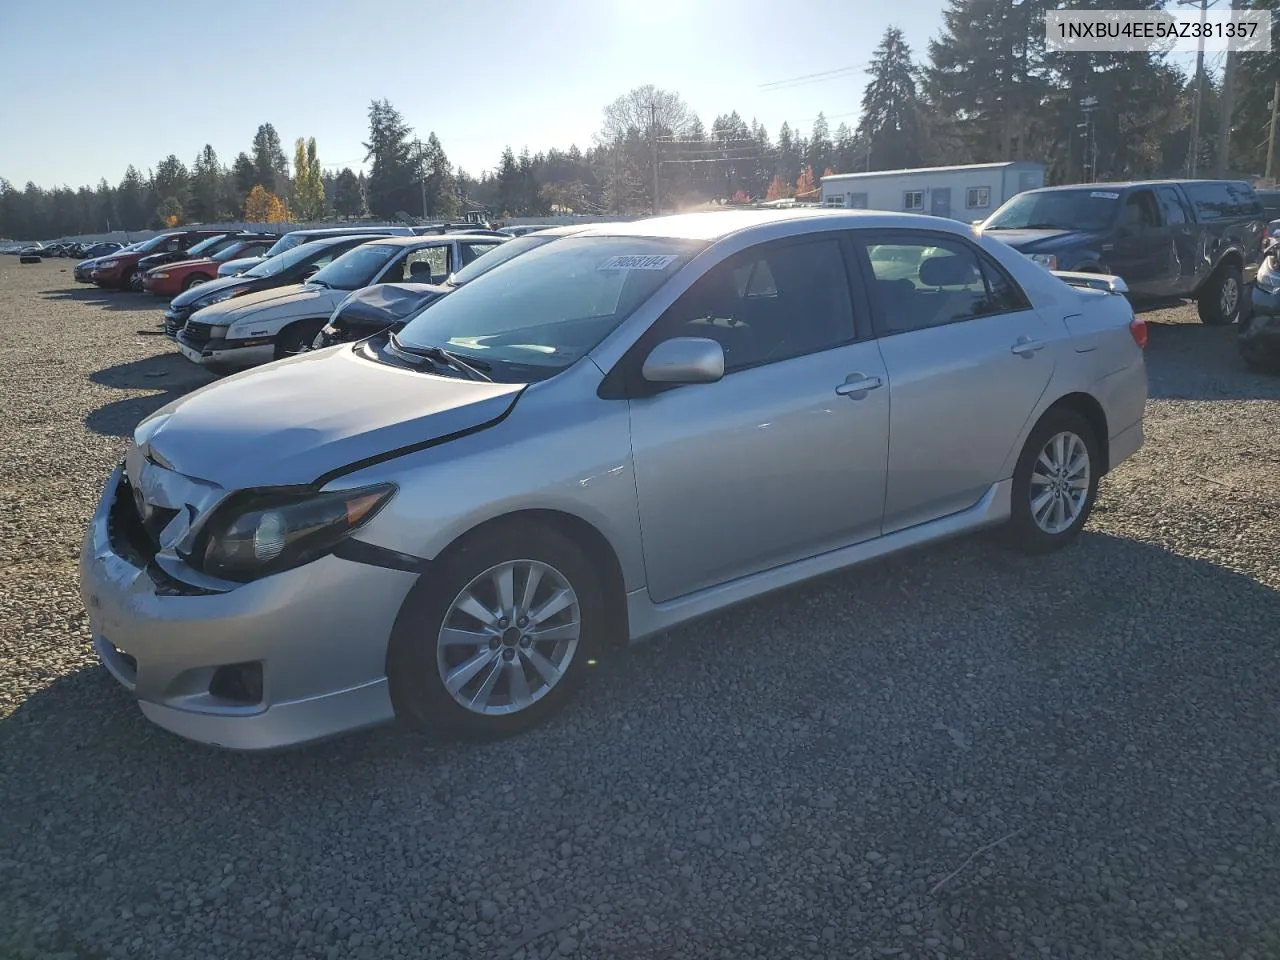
(473, 369)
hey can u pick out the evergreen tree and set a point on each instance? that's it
(892, 122)
(270, 167)
(348, 196)
(206, 204)
(442, 192)
(392, 187)
(130, 200)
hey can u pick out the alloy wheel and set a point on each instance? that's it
(508, 637)
(1060, 480)
(1229, 298)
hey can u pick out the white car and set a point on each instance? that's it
(256, 328)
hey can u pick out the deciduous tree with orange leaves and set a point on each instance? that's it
(806, 183)
(263, 207)
(778, 189)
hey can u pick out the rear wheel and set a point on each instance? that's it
(297, 338)
(496, 640)
(1054, 483)
(1219, 301)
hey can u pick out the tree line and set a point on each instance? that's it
(986, 89)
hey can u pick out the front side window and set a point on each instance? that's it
(928, 281)
(769, 303)
(544, 310)
(426, 265)
(1140, 211)
(914, 200)
(977, 198)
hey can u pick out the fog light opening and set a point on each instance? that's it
(238, 682)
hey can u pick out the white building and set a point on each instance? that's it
(966, 193)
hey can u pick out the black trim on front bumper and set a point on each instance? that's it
(358, 551)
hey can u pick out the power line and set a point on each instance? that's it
(808, 78)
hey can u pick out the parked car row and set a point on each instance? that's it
(562, 445)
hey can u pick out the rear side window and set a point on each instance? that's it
(1171, 204)
(769, 303)
(1219, 200)
(925, 281)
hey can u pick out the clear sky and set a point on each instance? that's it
(91, 86)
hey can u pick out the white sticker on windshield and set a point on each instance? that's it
(638, 261)
(1105, 195)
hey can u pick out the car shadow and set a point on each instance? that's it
(170, 374)
(108, 299)
(1191, 361)
(1060, 680)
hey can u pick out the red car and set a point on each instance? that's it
(122, 271)
(172, 279)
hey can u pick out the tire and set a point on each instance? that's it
(417, 663)
(1031, 482)
(133, 281)
(297, 338)
(1219, 301)
(194, 281)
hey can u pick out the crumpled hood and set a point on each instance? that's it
(1043, 241)
(294, 300)
(293, 421)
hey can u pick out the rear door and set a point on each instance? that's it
(968, 360)
(1182, 230)
(1142, 249)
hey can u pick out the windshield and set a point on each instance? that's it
(278, 264)
(1057, 210)
(553, 305)
(288, 242)
(204, 245)
(497, 257)
(357, 267)
(146, 246)
(231, 252)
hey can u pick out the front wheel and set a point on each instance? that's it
(1219, 301)
(195, 280)
(134, 281)
(1055, 483)
(297, 338)
(496, 640)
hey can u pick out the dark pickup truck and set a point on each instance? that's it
(1188, 239)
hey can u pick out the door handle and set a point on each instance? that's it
(856, 386)
(1025, 347)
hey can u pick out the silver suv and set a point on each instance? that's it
(596, 441)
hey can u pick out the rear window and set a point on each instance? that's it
(1223, 200)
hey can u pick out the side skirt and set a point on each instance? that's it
(647, 618)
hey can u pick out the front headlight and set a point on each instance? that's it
(1047, 260)
(158, 275)
(258, 534)
(215, 298)
(104, 264)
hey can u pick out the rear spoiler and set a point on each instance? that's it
(1094, 281)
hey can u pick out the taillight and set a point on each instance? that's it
(1138, 330)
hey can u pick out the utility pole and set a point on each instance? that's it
(1271, 139)
(1228, 108)
(422, 174)
(653, 148)
(1194, 160)
(1090, 135)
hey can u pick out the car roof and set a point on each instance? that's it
(321, 242)
(426, 240)
(1128, 184)
(341, 231)
(716, 225)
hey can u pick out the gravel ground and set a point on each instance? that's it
(957, 753)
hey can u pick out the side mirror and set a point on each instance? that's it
(684, 360)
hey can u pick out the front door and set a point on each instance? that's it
(782, 459)
(940, 201)
(968, 360)
(1142, 250)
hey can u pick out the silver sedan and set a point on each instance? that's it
(596, 441)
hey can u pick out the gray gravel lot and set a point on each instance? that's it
(1089, 739)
